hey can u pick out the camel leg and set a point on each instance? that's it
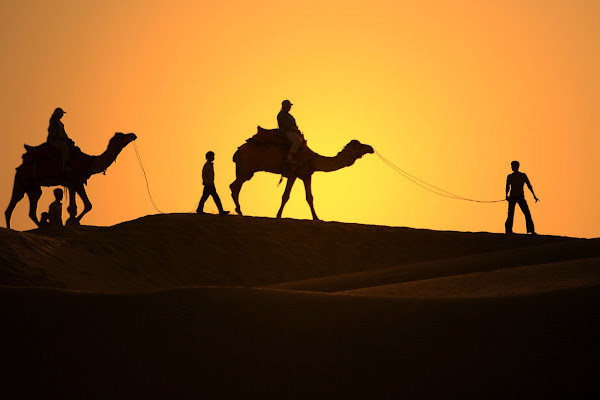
(17, 194)
(286, 194)
(309, 196)
(34, 195)
(236, 187)
(87, 204)
(72, 208)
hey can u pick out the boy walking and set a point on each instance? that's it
(208, 180)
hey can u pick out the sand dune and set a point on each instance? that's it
(498, 283)
(180, 250)
(187, 306)
(244, 342)
(564, 251)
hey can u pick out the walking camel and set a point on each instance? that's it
(266, 150)
(40, 168)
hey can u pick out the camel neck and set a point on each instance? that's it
(101, 162)
(329, 164)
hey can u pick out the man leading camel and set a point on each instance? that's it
(57, 137)
(287, 126)
(514, 186)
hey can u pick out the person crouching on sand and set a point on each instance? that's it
(54, 215)
(208, 180)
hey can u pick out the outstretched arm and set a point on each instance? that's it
(531, 188)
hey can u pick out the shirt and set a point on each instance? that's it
(516, 181)
(286, 122)
(208, 174)
(56, 130)
(55, 214)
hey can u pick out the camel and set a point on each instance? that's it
(40, 168)
(266, 151)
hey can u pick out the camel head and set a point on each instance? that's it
(357, 149)
(120, 140)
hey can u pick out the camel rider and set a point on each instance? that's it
(287, 126)
(57, 137)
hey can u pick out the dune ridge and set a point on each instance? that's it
(179, 250)
(188, 306)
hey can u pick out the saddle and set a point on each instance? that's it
(44, 151)
(274, 137)
(264, 137)
(43, 161)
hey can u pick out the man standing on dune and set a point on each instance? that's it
(514, 185)
(208, 180)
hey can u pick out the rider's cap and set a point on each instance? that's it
(60, 110)
(283, 103)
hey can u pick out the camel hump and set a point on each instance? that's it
(42, 152)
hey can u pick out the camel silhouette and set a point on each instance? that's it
(41, 167)
(266, 151)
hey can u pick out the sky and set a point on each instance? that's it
(450, 91)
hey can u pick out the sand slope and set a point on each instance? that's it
(579, 260)
(236, 342)
(179, 250)
(187, 306)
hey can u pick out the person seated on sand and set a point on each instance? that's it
(57, 138)
(208, 180)
(45, 220)
(289, 128)
(514, 184)
(54, 215)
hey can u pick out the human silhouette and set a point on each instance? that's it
(54, 215)
(57, 137)
(44, 220)
(514, 185)
(208, 180)
(289, 128)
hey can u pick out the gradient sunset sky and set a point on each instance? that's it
(449, 91)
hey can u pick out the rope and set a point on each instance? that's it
(137, 152)
(424, 185)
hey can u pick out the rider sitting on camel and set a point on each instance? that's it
(57, 137)
(289, 128)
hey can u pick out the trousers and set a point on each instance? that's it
(295, 139)
(63, 149)
(512, 202)
(210, 190)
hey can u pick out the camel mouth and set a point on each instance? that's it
(370, 150)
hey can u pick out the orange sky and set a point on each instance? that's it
(450, 91)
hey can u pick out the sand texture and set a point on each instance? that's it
(188, 306)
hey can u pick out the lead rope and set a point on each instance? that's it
(137, 153)
(425, 185)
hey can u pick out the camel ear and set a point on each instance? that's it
(354, 141)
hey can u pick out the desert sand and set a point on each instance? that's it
(205, 306)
